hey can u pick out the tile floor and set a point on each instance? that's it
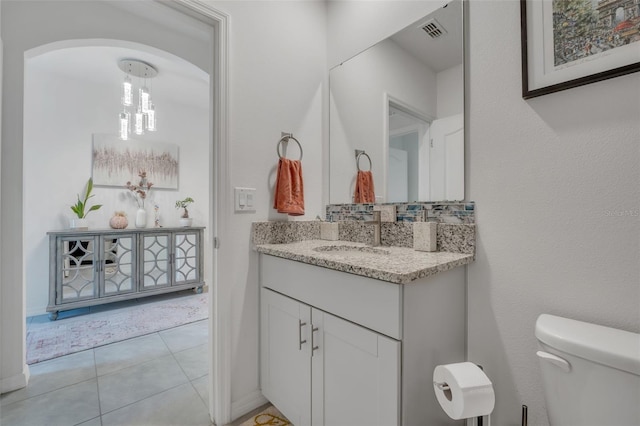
(157, 379)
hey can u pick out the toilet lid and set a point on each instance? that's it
(609, 346)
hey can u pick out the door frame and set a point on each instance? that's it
(392, 101)
(220, 297)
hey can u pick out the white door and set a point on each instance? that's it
(285, 358)
(446, 159)
(356, 374)
(398, 177)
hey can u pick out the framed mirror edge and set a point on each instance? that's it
(390, 98)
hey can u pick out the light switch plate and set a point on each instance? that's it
(244, 199)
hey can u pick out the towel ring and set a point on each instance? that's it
(360, 154)
(286, 139)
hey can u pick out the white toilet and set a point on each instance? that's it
(590, 373)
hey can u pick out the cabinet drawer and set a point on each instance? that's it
(371, 303)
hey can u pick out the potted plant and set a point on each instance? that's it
(185, 220)
(81, 209)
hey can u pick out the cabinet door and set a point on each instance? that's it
(186, 257)
(356, 374)
(76, 269)
(118, 264)
(285, 358)
(156, 263)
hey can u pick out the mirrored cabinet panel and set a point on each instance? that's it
(77, 272)
(119, 264)
(155, 258)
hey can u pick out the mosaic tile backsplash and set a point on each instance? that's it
(454, 238)
(456, 226)
(441, 212)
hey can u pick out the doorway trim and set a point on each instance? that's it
(220, 297)
(395, 102)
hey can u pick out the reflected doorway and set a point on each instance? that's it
(425, 159)
(407, 175)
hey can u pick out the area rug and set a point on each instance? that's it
(269, 416)
(52, 339)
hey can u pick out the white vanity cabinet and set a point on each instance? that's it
(342, 349)
(321, 369)
(285, 353)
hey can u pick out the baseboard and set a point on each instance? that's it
(34, 312)
(15, 382)
(247, 403)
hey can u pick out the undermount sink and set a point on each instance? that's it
(340, 249)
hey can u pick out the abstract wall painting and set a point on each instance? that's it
(115, 162)
(570, 43)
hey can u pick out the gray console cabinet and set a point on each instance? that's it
(93, 267)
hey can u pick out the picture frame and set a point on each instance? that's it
(116, 162)
(570, 43)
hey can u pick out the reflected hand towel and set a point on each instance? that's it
(289, 191)
(364, 188)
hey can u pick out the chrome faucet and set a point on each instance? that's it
(376, 227)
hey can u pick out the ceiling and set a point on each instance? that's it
(177, 80)
(441, 53)
(184, 83)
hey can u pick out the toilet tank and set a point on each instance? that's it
(590, 373)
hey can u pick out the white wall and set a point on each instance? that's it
(57, 145)
(26, 25)
(277, 79)
(555, 180)
(450, 91)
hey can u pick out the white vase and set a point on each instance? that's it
(78, 224)
(141, 218)
(186, 221)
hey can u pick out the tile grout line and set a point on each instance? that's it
(144, 399)
(146, 362)
(51, 391)
(173, 354)
(95, 367)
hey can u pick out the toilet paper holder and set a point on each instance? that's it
(442, 386)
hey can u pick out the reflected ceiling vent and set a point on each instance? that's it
(433, 28)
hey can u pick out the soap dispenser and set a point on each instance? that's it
(425, 234)
(329, 231)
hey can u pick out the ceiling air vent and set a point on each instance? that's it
(433, 28)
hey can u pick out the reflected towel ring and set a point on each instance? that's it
(360, 154)
(286, 139)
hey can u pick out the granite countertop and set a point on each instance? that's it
(399, 265)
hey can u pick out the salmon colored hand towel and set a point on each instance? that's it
(364, 188)
(289, 192)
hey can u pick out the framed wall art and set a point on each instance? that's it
(115, 162)
(570, 43)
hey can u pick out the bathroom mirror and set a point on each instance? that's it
(402, 102)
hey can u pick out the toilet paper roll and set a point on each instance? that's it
(463, 390)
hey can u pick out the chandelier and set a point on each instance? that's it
(140, 115)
